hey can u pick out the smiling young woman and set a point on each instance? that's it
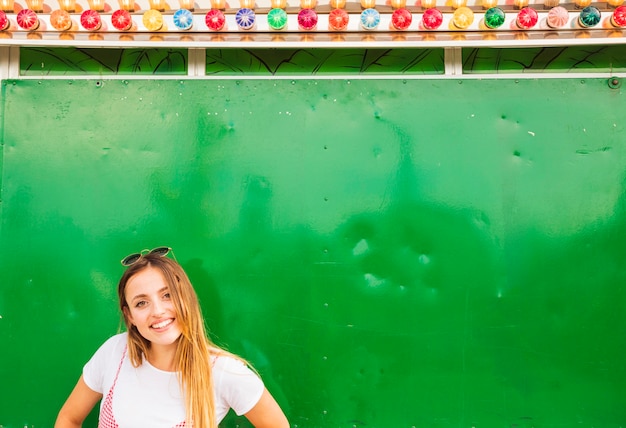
(164, 371)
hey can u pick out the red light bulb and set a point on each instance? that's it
(4, 21)
(432, 18)
(401, 19)
(27, 19)
(121, 20)
(307, 19)
(215, 20)
(619, 17)
(338, 19)
(527, 18)
(90, 20)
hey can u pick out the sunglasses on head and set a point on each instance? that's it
(131, 259)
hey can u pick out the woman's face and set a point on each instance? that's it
(150, 308)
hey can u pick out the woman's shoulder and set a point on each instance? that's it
(114, 344)
(229, 363)
(115, 340)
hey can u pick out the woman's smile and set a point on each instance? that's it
(161, 325)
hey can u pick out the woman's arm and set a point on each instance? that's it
(267, 413)
(78, 405)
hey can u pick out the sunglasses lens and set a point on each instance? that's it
(132, 259)
(129, 260)
(160, 251)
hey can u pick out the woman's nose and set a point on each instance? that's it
(158, 308)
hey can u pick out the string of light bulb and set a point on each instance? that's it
(308, 15)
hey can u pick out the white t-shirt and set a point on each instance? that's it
(148, 397)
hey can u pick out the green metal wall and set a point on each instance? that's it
(388, 253)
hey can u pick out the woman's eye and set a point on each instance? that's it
(167, 296)
(140, 304)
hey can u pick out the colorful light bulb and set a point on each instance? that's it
(401, 19)
(397, 4)
(589, 17)
(27, 19)
(245, 18)
(277, 18)
(458, 3)
(308, 4)
(494, 17)
(527, 18)
(215, 20)
(370, 18)
(550, 3)
(614, 3)
(152, 19)
(35, 5)
(96, 5)
(618, 18)
(186, 4)
(338, 20)
(4, 21)
(488, 4)
(520, 3)
(278, 4)
(157, 4)
(61, 20)
(432, 19)
(463, 18)
(582, 3)
(307, 19)
(121, 20)
(90, 20)
(557, 17)
(368, 4)
(183, 19)
(337, 4)
(428, 4)
(128, 5)
(7, 6)
(67, 5)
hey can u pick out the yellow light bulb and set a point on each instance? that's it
(308, 4)
(97, 5)
(35, 5)
(582, 3)
(246, 4)
(67, 5)
(520, 3)
(186, 4)
(463, 17)
(368, 4)
(157, 4)
(6, 5)
(458, 3)
(337, 4)
(428, 4)
(614, 3)
(152, 20)
(278, 4)
(128, 5)
(488, 4)
(397, 4)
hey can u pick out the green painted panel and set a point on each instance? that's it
(228, 62)
(564, 59)
(387, 253)
(41, 61)
(260, 62)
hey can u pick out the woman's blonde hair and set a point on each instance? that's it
(193, 353)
